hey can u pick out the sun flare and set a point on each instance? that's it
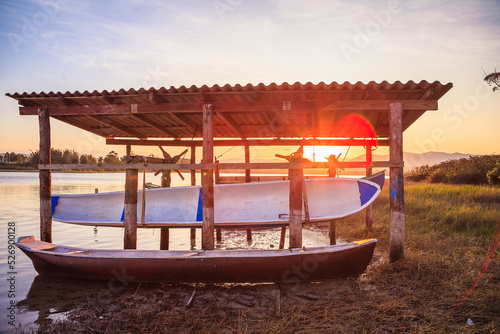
(321, 153)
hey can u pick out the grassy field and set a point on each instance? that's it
(450, 235)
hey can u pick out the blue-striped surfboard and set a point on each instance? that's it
(236, 205)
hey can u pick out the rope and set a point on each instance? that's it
(216, 158)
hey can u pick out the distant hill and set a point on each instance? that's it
(413, 160)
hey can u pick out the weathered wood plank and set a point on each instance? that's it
(227, 107)
(369, 171)
(220, 166)
(251, 142)
(207, 181)
(397, 222)
(45, 178)
(381, 105)
(193, 183)
(130, 215)
(296, 181)
(332, 232)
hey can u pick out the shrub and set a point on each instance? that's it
(494, 174)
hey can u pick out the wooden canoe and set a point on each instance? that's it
(287, 266)
(263, 204)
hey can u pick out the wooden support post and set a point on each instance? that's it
(247, 160)
(282, 237)
(130, 215)
(166, 181)
(248, 179)
(45, 177)
(397, 223)
(218, 232)
(332, 225)
(164, 238)
(369, 171)
(295, 176)
(207, 180)
(332, 232)
(193, 183)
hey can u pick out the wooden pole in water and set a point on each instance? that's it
(247, 180)
(193, 183)
(397, 220)
(130, 215)
(45, 177)
(282, 237)
(369, 171)
(166, 180)
(332, 226)
(295, 176)
(207, 180)
(218, 231)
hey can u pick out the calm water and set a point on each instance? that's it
(38, 298)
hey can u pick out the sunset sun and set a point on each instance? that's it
(321, 153)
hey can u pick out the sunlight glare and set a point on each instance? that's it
(320, 153)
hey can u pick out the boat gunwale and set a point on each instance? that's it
(188, 254)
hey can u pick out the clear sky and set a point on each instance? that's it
(69, 45)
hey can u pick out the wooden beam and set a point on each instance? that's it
(332, 231)
(193, 183)
(248, 179)
(296, 181)
(369, 170)
(207, 182)
(112, 124)
(221, 166)
(162, 129)
(130, 213)
(190, 125)
(148, 108)
(231, 124)
(252, 142)
(45, 178)
(397, 222)
(380, 105)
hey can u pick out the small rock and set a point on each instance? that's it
(469, 322)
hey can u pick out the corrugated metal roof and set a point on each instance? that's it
(250, 111)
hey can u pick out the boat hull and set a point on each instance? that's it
(287, 266)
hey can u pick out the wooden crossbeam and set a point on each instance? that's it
(220, 166)
(252, 142)
(300, 106)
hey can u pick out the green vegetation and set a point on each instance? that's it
(17, 161)
(482, 169)
(450, 234)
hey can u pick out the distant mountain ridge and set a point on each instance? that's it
(413, 160)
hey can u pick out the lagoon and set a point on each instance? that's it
(40, 298)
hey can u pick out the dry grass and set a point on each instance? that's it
(449, 231)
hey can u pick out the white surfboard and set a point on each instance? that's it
(236, 205)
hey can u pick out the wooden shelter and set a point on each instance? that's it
(261, 115)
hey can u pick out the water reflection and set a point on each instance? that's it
(40, 298)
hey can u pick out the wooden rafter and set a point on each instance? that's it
(163, 129)
(231, 124)
(113, 125)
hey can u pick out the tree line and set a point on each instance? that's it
(59, 156)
